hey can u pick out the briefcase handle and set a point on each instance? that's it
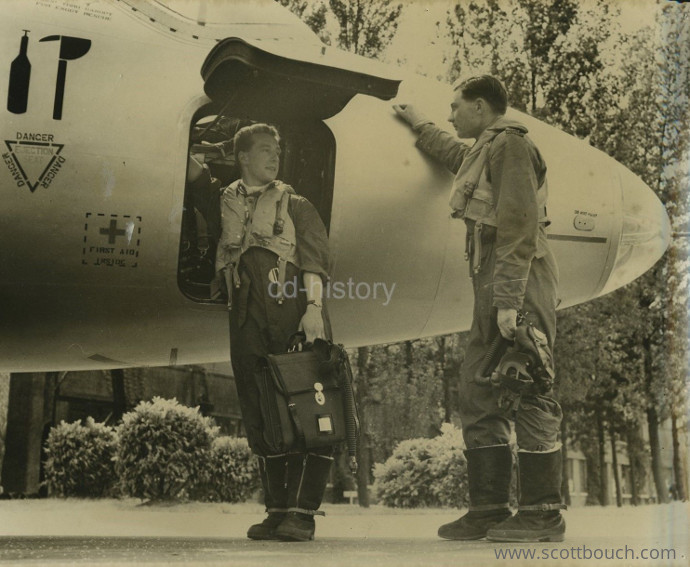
(297, 341)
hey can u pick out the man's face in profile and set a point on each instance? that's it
(465, 116)
(261, 162)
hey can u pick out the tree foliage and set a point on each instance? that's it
(311, 13)
(365, 27)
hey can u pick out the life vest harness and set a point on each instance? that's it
(472, 197)
(262, 221)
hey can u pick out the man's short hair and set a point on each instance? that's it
(487, 87)
(243, 140)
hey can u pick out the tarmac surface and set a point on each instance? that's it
(124, 532)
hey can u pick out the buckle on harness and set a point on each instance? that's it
(277, 276)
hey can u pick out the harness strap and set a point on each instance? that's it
(307, 512)
(282, 270)
(477, 256)
(281, 213)
(278, 226)
(473, 240)
(236, 274)
(476, 208)
(228, 274)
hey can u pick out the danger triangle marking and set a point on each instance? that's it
(33, 159)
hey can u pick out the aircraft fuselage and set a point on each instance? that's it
(93, 179)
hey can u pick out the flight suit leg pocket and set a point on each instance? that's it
(537, 423)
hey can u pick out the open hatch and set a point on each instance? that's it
(294, 88)
(273, 82)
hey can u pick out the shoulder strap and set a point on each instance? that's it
(281, 213)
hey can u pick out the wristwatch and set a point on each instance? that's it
(315, 303)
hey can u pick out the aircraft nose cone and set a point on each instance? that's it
(645, 232)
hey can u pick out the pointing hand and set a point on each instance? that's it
(410, 115)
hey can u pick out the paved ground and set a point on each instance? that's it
(55, 532)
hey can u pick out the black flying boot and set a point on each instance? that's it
(307, 478)
(539, 512)
(488, 473)
(273, 471)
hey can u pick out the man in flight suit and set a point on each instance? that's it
(271, 235)
(500, 192)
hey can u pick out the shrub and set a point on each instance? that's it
(163, 450)
(403, 480)
(449, 468)
(80, 459)
(232, 473)
(424, 472)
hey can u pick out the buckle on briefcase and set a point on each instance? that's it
(319, 396)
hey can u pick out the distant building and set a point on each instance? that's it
(577, 475)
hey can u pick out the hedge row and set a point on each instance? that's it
(161, 451)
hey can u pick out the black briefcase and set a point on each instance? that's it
(306, 399)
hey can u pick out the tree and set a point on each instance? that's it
(484, 40)
(513, 40)
(658, 78)
(364, 459)
(366, 26)
(311, 13)
(542, 23)
(450, 354)
(399, 391)
(598, 369)
(579, 86)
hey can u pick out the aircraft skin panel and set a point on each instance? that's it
(92, 198)
(67, 290)
(395, 205)
(263, 20)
